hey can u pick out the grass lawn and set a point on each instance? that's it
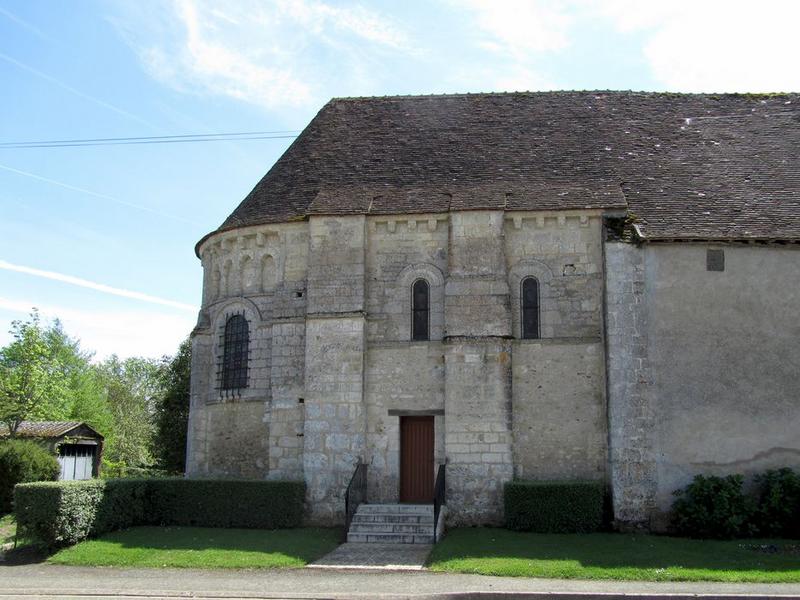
(8, 527)
(615, 556)
(201, 547)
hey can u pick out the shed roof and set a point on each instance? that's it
(52, 429)
(685, 166)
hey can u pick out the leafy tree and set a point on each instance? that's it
(129, 387)
(46, 375)
(172, 409)
(84, 392)
(32, 381)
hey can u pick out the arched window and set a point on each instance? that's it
(235, 352)
(530, 308)
(420, 309)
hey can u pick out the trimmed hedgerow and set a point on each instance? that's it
(22, 461)
(554, 506)
(227, 503)
(66, 512)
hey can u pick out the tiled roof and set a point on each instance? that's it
(44, 429)
(685, 166)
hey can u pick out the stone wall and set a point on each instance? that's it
(702, 369)
(401, 377)
(477, 368)
(476, 292)
(401, 250)
(631, 412)
(478, 427)
(563, 251)
(335, 416)
(559, 410)
(336, 265)
(333, 369)
(723, 348)
(259, 272)
(229, 439)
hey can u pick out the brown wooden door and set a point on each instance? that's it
(416, 459)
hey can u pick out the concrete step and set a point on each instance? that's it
(392, 524)
(389, 538)
(405, 509)
(369, 528)
(389, 518)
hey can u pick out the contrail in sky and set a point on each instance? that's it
(100, 287)
(80, 94)
(25, 24)
(95, 194)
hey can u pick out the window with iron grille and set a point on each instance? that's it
(530, 308)
(420, 309)
(236, 345)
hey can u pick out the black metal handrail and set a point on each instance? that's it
(356, 494)
(438, 498)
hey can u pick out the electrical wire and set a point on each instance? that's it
(161, 139)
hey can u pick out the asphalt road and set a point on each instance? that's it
(50, 581)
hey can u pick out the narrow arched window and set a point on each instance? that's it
(530, 308)
(236, 342)
(420, 309)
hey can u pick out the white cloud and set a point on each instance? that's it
(271, 54)
(520, 27)
(124, 332)
(515, 77)
(714, 46)
(99, 287)
(688, 45)
(318, 17)
(519, 35)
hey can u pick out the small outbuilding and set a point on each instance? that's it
(77, 446)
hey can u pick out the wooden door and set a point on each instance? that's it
(416, 459)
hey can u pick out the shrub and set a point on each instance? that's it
(23, 461)
(713, 507)
(57, 513)
(554, 506)
(779, 503)
(65, 512)
(227, 503)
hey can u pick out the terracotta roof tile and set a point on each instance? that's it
(687, 166)
(43, 429)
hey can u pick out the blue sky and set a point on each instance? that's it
(102, 236)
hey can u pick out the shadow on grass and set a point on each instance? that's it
(23, 555)
(23, 552)
(608, 554)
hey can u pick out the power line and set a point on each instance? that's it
(160, 139)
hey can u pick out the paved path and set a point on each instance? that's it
(50, 581)
(403, 557)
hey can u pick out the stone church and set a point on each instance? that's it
(548, 286)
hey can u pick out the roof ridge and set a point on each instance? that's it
(667, 94)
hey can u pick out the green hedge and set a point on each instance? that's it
(718, 507)
(23, 461)
(554, 506)
(713, 507)
(779, 503)
(66, 512)
(232, 503)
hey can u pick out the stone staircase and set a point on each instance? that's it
(392, 524)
